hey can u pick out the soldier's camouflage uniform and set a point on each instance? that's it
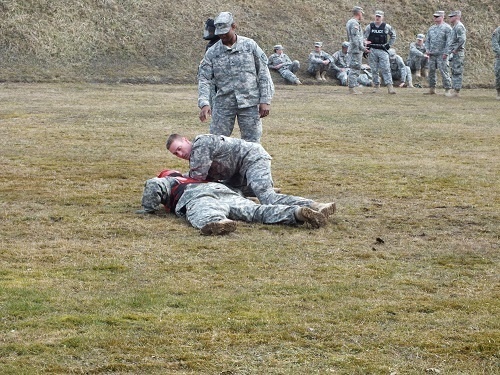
(495, 45)
(341, 61)
(243, 81)
(378, 58)
(315, 61)
(355, 50)
(416, 58)
(204, 203)
(456, 49)
(400, 71)
(436, 41)
(238, 163)
(289, 67)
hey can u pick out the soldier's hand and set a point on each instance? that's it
(205, 113)
(264, 109)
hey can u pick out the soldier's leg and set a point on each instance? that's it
(223, 118)
(373, 60)
(295, 66)
(497, 77)
(210, 215)
(355, 67)
(433, 63)
(250, 124)
(288, 75)
(445, 74)
(408, 78)
(457, 70)
(246, 210)
(385, 66)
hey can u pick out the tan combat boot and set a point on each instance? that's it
(425, 72)
(432, 91)
(417, 74)
(326, 209)
(410, 85)
(318, 76)
(353, 91)
(323, 76)
(307, 215)
(453, 93)
(376, 88)
(390, 89)
(218, 228)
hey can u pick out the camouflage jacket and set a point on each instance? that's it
(340, 61)
(457, 39)
(217, 157)
(240, 71)
(355, 36)
(416, 51)
(276, 59)
(495, 42)
(437, 39)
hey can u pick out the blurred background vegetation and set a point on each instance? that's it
(154, 41)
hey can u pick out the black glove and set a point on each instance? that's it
(387, 46)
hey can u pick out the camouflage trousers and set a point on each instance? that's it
(405, 77)
(497, 73)
(354, 68)
(224, 116)
(418, 63)
(317, 67)
(436, 62)
(457, 69)
(343, 77)
(218, 202)
(379, 61)
(288, 73)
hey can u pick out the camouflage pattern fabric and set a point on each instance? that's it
(400, 71)
(289, 67)
(355, 51)
(238, 163)
(379, 58)
(416, 58)
(242, 78)
(315, 61)
(340, 60)
(201, 204)
(495, 45)
(438, 37)
(456, 49)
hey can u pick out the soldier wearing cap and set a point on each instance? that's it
(380, 36)
(356, 48)
(319, 62)
(437, 39)
(284, 65)
(495, 46)
(238, 67)
(417, 59)
(399, 70)
(456, 51)
(340, 64)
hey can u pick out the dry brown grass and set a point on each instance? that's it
(88, 287)
(161, 42)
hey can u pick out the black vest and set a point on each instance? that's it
(377, 34)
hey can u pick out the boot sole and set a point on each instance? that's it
(328, 210)
(314, 218)
(219, 228)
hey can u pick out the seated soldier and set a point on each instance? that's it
(280, 62)
(399, 71)
(214, 208)
(319, 62)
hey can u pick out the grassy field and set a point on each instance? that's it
(403, 280)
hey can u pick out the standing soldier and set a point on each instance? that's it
(438, 38)
(417, 59)
(284, 65)
(356, 48)
(319, 62)
(495, 45)
(238, 68)
(456, 50)
(380, 37)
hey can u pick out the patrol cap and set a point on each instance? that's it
(346, 44)
(439, 13)
(392, 52)
(223, 23)
(318, 44)
(278, 46)
(420, 36)
(379, 13)
(455, 13)
(357, 9)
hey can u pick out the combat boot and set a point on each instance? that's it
(217, 228)
(453, 93)
(390, 89)
(307, 215)
(432, 91)
(297, 82)
(376, 88)
(417, 74)
(323, 76)
(353, 91)
(326, 209)
(318, 76)
(425, 72)
(447, 92)
(410, 85)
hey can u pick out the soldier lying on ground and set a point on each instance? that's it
(213, 207)
(239, 164)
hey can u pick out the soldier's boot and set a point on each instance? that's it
(417, 74)
(326, 209)
(318, 76)
(432, 91)
(498, 94)
(217, 228)
(425, 72)
(323, 76)
(297, 82)
(447, 92)
(410, 85)
(390, 89)
(353, 91)
(376, 88)
(453, 93)
(307, 215)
